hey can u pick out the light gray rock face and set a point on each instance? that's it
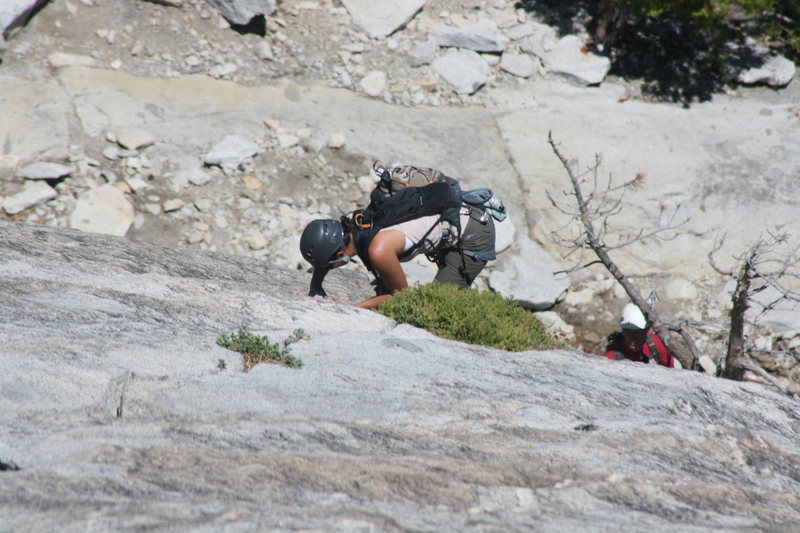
(380, 19)
(529, 276)
(569, 57)
(116, 413)
(717, 177)
(242, 11)
(15, 13)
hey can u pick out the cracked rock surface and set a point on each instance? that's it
(118, 415)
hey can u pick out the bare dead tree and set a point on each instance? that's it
(763, 266)
(593, 209)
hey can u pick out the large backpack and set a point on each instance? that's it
(406, 193)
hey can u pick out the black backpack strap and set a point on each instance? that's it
(654, 355)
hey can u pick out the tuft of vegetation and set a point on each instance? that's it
(257, 349)
(7, 466)
(470, 316)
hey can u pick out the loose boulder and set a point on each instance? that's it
(103, 210)
(466, 71)
(529, 276)
(571, 58)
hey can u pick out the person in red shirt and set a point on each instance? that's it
(636, 342)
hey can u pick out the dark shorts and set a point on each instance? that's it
(478, 243)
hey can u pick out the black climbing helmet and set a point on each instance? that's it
(321, 239)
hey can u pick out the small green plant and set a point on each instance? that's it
(222, 364)
(258, 349)
(7, 465)
(470, 316)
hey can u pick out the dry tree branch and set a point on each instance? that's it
(594, 221)
(761, 266)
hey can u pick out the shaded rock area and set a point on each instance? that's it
(118, 415)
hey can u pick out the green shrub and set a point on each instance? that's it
(7, 465)
(257, 349)
(470, 316)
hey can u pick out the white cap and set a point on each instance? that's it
(632, 318)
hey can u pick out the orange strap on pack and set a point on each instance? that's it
(358, 219)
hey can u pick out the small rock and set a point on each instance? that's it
(466, 71)
(231, 152)
(61, 59)
(708, 365)
(570, 57)
(32, 193)
(252, 183)
(111, 153)
(220, 71)
(476, 40)
(423, 53)
(192, 60)
(134, 138)
(102, 210)
(203, 205)
(337, 140)
(173, 205)
(777, 71)
(195, 236)
(263, 50)
(257, 242)
(518, 64)
(374, 83)
(519, 32)
(286, 140)
(555, 323)
(198, 177)
(44, 171)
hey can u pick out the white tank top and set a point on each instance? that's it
(415, 230)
